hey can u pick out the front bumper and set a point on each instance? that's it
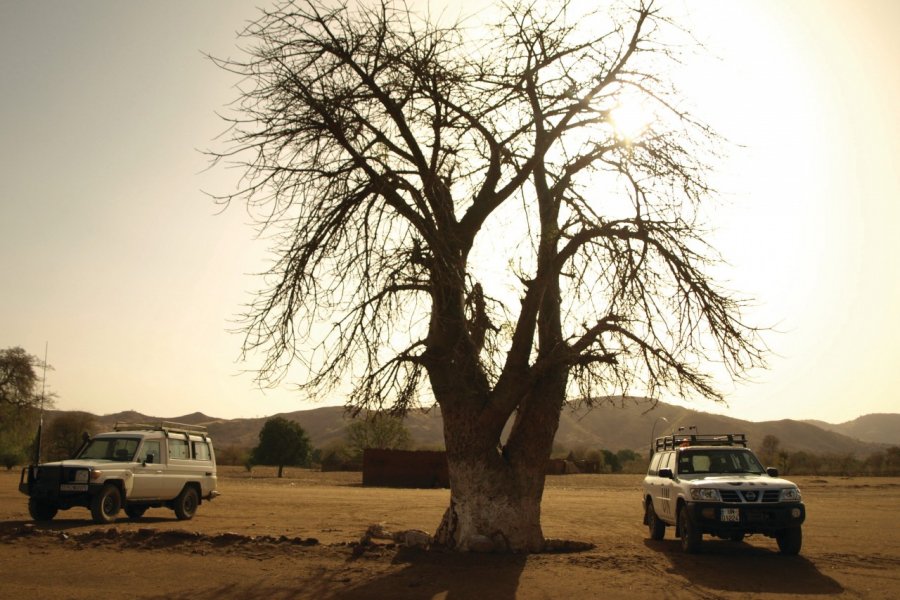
(721, 519)
(56, 485)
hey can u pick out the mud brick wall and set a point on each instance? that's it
(405, 468)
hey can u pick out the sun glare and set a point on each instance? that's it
(630, 119)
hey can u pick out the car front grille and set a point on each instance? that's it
(748, 496)
(53, 476)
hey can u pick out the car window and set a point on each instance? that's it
(654, 464)
(718, 461)
(150, 449)
(116, 449)
(201, 450)
(666, 461)
(693, 462)
(178, 449)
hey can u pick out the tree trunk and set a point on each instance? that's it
(280, 471)
(496, 493)
(487, 513)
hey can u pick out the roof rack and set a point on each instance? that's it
(166, 427)
(679, 440)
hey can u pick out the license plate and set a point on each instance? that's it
(73, 487)
(731, 515)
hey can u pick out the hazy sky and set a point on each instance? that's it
(113, 255)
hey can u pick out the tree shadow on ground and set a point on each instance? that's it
(408, 575)
(742, 567)
(454, 576)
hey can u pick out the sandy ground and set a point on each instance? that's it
(273, 539)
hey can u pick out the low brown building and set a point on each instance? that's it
(405, 468)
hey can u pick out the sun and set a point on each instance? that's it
(631, 118)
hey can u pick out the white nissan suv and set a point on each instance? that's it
(714, 484)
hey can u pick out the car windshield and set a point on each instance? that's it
(725, 461)
(115, 449)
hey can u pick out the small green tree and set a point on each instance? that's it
(232, 455)
(611, 461)
(17, 428)
(380, 431)
(63, 436)
(630, 461)
(20, 398)
(336, 456)
(12, 452)
(19, 378)
(282, 443)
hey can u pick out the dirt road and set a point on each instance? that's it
(293, 538)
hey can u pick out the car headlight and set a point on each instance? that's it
(789, 495)
(708, 494)
(82, 476)
(95, 474)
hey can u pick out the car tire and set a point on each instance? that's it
(690, 535)
(105, 506)
(655, 526)
(186, 503)
(790, 540)
(41, 510)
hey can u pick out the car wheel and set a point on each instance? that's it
(688, 532)
(135, 512)
(41, 510)
(790, 540)
(105, 506)
(186, 503)
(655, 526)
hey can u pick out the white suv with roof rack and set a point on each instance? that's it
(137, 466)
(714, 484)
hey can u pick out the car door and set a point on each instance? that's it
(149, 472)
(178, 466)
(663, 502)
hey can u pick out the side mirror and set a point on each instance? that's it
(772, 471)
(666, 474)
(148, 459)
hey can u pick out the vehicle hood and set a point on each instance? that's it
(741, 481)
(85, 464)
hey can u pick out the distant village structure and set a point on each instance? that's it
(405, 468)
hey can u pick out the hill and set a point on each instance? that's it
(627, 423)
(881, 428)
(619, 423)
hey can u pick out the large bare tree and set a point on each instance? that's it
(383, 152)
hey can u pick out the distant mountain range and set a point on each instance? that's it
(880, 427)
(617, 424)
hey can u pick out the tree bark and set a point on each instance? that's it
(496, 491)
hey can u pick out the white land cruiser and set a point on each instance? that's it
(135, 467)
(714, 484)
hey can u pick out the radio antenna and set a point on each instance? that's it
(37, 449)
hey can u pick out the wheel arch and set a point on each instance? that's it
(117, 483)
(197, 488)
(679, 504)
